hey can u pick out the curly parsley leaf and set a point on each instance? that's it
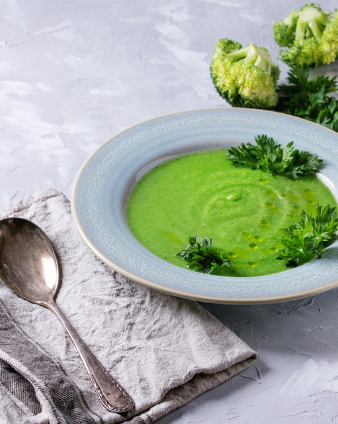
(202, 256)
(308, 237)
(269, 156)
(308, 98)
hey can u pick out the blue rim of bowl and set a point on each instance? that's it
(172, 291)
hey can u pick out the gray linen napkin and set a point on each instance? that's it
(163, 350)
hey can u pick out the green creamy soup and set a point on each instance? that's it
(243, 210)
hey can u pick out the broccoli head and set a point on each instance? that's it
(244, 77)
(310, 34)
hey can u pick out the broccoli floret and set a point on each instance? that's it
(244, 77)
(284, 31)
(310, 34)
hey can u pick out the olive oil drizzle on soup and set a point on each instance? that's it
(243, 210)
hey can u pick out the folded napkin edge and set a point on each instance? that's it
(196, 386)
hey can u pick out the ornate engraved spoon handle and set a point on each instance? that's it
(109, 391)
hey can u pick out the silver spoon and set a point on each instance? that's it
(29, 267)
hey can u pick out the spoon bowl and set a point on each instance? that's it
(29, 267)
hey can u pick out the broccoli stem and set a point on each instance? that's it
(263, 64)
(258, 56)
(314, 19)
(291, 20)
(316, 30)
(239, 54)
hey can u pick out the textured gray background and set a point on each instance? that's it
(73, 73)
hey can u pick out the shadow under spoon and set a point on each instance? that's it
(29, 267)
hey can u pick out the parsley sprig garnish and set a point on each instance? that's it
(202, 256)
(308, 98)
(269, 156)
(308, 237)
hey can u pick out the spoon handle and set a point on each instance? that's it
(111, 394)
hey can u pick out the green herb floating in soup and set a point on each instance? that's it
(244, 210)
(202, 256)
(308, 237)
(269, 156)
